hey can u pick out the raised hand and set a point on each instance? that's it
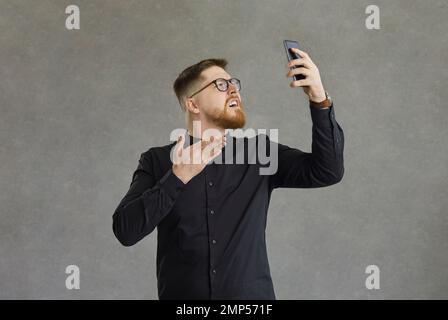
(190, 161)
(312, 84)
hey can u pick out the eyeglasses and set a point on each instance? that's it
(222, 85)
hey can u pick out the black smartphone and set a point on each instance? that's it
(292, 55)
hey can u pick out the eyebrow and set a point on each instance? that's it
(222, 77)
(218, 77)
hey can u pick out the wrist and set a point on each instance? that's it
(318, 97)
(322, 103)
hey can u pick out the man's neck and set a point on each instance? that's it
(198, 131)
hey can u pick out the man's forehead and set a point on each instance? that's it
(215, 73)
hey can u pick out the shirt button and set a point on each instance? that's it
(210, 183)
(214, 241)
(214, 271)
(212, 211)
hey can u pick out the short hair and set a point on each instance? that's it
(192, 75)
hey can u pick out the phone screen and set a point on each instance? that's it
(291, 55)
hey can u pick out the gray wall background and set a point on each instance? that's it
(79, 107)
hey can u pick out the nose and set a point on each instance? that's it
(232, 88)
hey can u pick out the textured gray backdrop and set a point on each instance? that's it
(79, 107)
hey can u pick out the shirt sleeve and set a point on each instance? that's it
(146, 203)
(322, 167)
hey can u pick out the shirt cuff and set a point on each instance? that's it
(322, 117)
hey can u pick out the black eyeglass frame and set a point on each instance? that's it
(237, 85)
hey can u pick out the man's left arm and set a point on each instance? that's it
(324, 165)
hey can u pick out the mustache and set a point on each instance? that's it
(233, 97)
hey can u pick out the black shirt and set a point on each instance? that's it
(211, 240)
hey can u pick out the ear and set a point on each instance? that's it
(191, 105)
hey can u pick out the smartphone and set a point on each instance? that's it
(292, 55)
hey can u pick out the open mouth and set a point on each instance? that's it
(233, 104)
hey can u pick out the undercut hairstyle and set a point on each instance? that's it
(191, 76)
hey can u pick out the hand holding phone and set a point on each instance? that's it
(292, 55)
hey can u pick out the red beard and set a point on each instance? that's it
(229, 119)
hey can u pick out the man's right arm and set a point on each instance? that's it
(146, 203)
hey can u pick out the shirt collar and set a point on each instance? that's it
(191, 140)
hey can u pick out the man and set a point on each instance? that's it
(210, 217)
